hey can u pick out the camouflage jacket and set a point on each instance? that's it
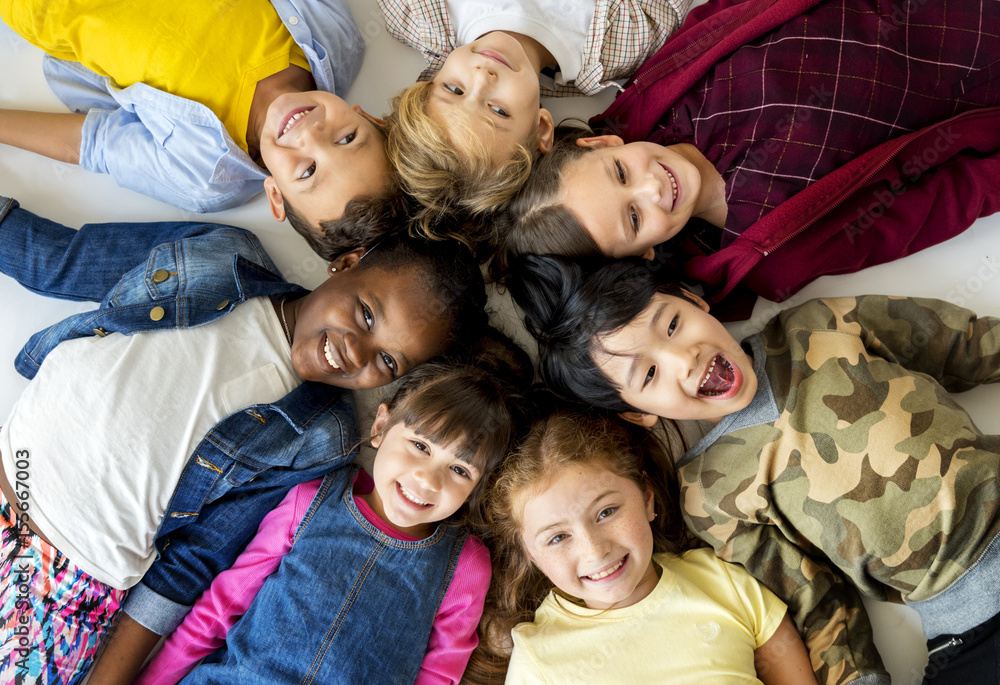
(853, 463)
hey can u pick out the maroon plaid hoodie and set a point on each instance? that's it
(848, 132)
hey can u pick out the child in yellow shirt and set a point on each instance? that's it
(180, 102)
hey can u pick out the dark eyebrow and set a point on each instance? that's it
(626, 226)
(316, 178)
(556, 524)
(635, 359)
(463, 455)
(380, 311)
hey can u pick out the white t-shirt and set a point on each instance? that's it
(700, 624)
(109, 423)
(561, 26)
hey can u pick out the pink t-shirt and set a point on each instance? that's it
(453, 635)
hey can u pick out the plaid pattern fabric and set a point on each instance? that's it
(834, 82)
(623, 34)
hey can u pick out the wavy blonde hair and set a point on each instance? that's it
(451, 173)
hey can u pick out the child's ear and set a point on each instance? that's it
(274, 198)
(347, 260)
(697, 300)
(375, 120)
(598, 142)
(546, 131)
(650, 254)
(379, 424)
(639, 419)
(650, 505)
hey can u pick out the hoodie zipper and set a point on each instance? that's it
(953, 642)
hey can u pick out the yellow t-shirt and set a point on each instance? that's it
(701, 624)
(210, 51)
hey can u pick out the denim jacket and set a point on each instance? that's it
(176, 150)
(178, 275)
(348, 604)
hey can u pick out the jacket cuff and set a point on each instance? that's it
(7, 204)
(869, 679)
(154, 611)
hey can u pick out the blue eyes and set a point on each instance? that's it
(500, 111)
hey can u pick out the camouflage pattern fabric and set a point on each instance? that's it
(872, 473)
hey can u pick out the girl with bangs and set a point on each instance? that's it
(358, 578)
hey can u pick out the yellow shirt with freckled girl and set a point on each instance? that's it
(700, 624)
(213, 52)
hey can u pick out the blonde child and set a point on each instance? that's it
(464, 137)
(203, 105)
(408, 582)
(838, 464)
(594, 559)
(158, 429)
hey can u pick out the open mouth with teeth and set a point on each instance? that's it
(673, 186)
(609, 571)
(719, 379)
(293, 118)
(411, 498)
(328, 353)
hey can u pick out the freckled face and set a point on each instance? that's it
(321, 153)
(364, 328)
(588, 531)
(489, 85)
(417, 481)
(677, 361)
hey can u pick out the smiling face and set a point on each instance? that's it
(632, 197)
(321, 153)
(491, 87)
(677, 361)
(417, 481)
(364, 328)
(588, 531)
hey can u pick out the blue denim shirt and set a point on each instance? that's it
(348, 604)
(177, 150)
(179, 275)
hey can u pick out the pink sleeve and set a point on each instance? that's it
(204, 628)
(453, 636)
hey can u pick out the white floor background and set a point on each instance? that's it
(962, 269)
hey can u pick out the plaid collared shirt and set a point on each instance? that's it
(622, 35)
(830, 84)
